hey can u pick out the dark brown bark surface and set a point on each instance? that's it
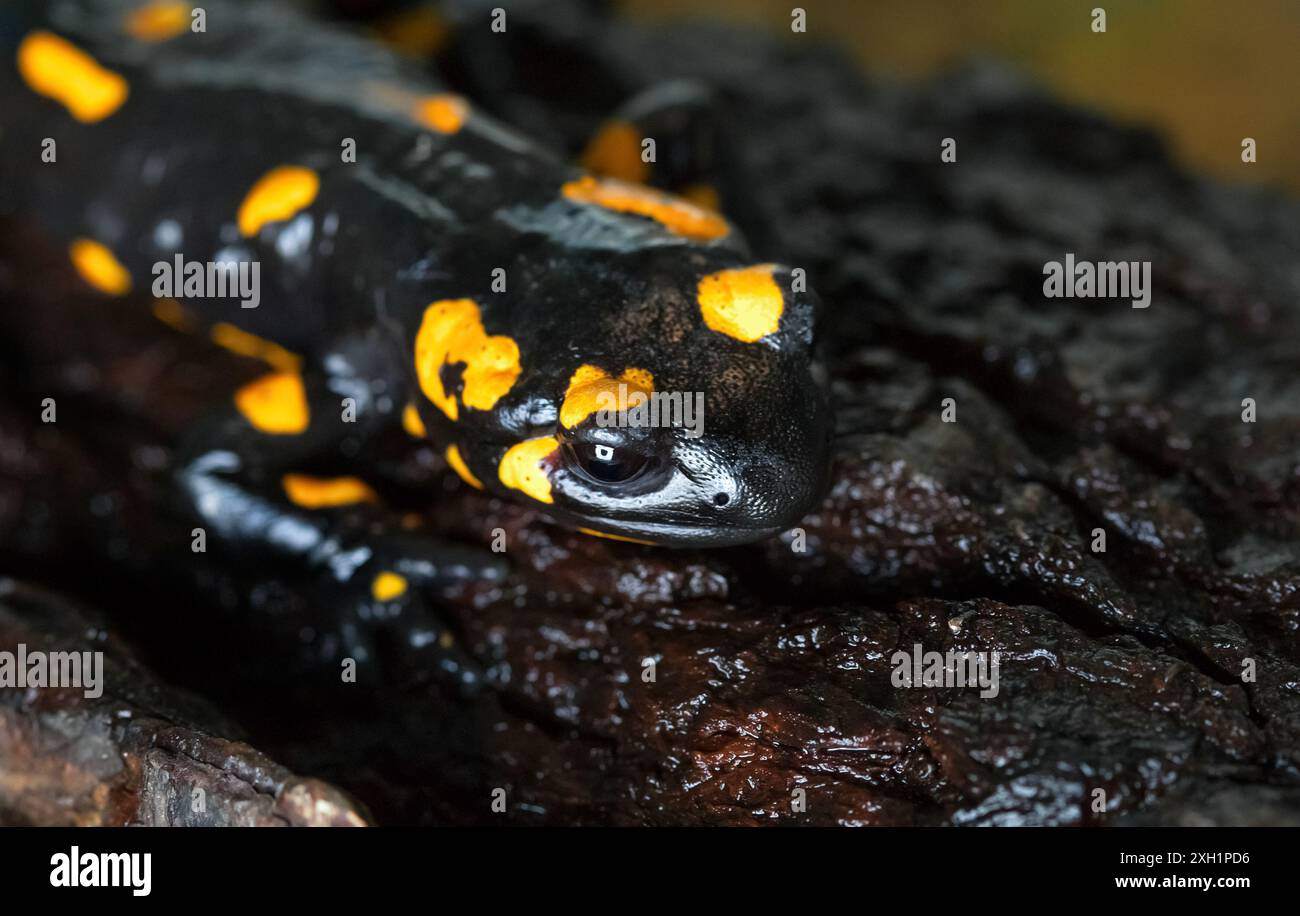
(141, 753)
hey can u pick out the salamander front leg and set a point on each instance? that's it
(261, 475)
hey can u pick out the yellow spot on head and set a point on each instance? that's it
(445, 113)
(592, 388)
(521, 467)
(451, 333)
(276, 196)
(237, 340)
(387, 586)
(172, 313)
(158, 21)
(59, 70)
(418, 31)
(326, 492)
(673, 213)
(275, 404)
(412, 423)
(615, 537)
(745, 303)
(615, 152)
(97, 266)
(460, 467)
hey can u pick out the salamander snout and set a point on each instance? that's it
(749, 460)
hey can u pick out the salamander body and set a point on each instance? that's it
(418, 263)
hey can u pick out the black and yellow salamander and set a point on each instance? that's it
(403, 260)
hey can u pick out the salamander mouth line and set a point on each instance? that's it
(669, 527)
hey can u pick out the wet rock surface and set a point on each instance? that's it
(1120, 670)
(124, 749)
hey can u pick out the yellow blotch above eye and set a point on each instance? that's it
(461, 468)
(412, 423)
(99, 268)
(521, 467)
(237, 340)
(158, 21)
(276, 196)
(592, 388)
(673, 213)
(59, 70)
(745, 303)
(451, 333)
(445, 113)
(275, 404)
(615, 537)
(615, 152)
(326, 492)
(387, 586)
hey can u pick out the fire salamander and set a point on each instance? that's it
(416, 264)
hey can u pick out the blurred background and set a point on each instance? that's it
(1205, 72)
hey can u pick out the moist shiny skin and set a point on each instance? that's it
(450, 276)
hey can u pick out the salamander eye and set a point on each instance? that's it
(606, 463)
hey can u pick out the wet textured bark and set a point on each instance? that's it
(141, 753)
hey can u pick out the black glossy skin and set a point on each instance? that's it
(419, 217)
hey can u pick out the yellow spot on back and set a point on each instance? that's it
(326, 492)
(615, 152)
(387, 586)
(418, 31)
(276, 196)
(521, 467)
(275, 404)
(592, 388)
(461, 468)
(673, 213)
(158, 21)
(97, 266)
(412, 423)
(59, 70)
(445, 113)
(615, 537)
(450, 333)
(237, 340)
(172, 313)
(744, 303)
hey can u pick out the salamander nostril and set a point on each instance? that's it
(721, 499)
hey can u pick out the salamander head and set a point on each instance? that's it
(667, 395)
(739, 456)
(717, 427)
